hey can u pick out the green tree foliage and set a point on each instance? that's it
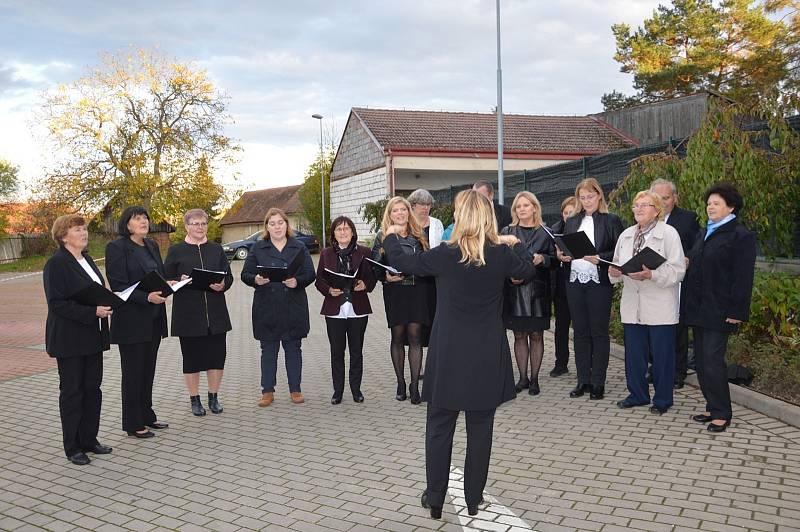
(138, 129)
(734, 47)
(769, 179)
(8, 185)
(372, 212)
(309, 193)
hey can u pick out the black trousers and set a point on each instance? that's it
(563, 319)
(79, 400)
(590, 308)
(439, 430)
(712, 371)
(681, 351)
(342, 333)
(138, 363)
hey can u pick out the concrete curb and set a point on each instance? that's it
(764, 404)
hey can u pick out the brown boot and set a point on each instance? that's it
(297, 398)
(266, 399)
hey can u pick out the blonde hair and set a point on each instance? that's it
(475, 225)
(191, 214)
(63, 224)
(537, 208)
(569, 200)
(413, 226)
(654, 198)
(279, 212)
(592, 184)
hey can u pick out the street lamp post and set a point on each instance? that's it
(500, 178)
(321, 178)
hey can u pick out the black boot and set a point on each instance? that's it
(213, 403)
(197, 406)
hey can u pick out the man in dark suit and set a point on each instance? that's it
(501, 212)
(685, 222)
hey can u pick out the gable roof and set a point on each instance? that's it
(254, 204)
(439, 131)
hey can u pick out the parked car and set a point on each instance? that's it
(240, 248)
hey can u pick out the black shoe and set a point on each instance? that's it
(98, 448)
(358, 397)
(436, 511)
(336, 399)
(79, 458)
(557, 372)
(658, 410)
(401, 391)
(702, 418)
(628, 403)
(534, 387)
(473, 510)
(158, 425)
(718, 428)
(579, 390)
(597, 393)
(145, 434)
(413, 392)
(678, 385)
(522, 383)
(197, 406)
(213, 403)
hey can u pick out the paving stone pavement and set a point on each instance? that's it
(557, 464)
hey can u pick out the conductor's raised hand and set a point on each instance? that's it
(261, 281)
(517, 281)
(291, 282)
(155, 298)
(393, 229)
(103, 312)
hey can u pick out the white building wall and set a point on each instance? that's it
(350, 193)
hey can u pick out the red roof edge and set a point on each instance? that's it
(619, 132)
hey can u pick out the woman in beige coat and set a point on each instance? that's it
(649, 306)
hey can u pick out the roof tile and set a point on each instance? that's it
(253, 205)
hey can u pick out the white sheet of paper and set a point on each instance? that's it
(125, 294)
(177, 286)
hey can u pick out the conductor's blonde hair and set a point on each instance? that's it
(475, 225)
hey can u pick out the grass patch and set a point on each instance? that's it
(35, 263)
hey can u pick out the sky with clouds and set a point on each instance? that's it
(282, 61)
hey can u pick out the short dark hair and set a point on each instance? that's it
(125, 217)
(728, 192)
(343, 220)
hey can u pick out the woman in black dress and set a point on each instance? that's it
(469, 364)
(406, 297)
(139, 325)
(200, 316)
(76, 335)
(527, 302)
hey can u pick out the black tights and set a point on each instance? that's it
(529, 345)
(412, 332)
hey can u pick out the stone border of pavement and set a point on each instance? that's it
(764, 404)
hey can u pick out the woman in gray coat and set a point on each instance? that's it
(469, 363)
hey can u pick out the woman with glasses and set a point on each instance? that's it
(280, 308)
(649, 304)
(421, 203)
(527, 301)
(589, 290)
(200, 315)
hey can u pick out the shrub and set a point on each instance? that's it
(373, 213)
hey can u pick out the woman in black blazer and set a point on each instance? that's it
(560, 305)
(139, 325)
(469, 364)
(280, 309)
(200, 316)
(589, 291)
(76, 336)
(719, 284)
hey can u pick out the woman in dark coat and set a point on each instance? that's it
(346, 311)
(280, 309)
(139, 325)
(469, 363)
(200, 316)
(76, 336)
(560, 305)
(527, 302)
(589, 291)
(716, 299)
(408, 299)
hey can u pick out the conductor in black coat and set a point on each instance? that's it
(76, 336)
(468, 367)
(719, 284)
(685, 222)
(139, 325)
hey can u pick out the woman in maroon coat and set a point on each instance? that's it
(346, 310)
